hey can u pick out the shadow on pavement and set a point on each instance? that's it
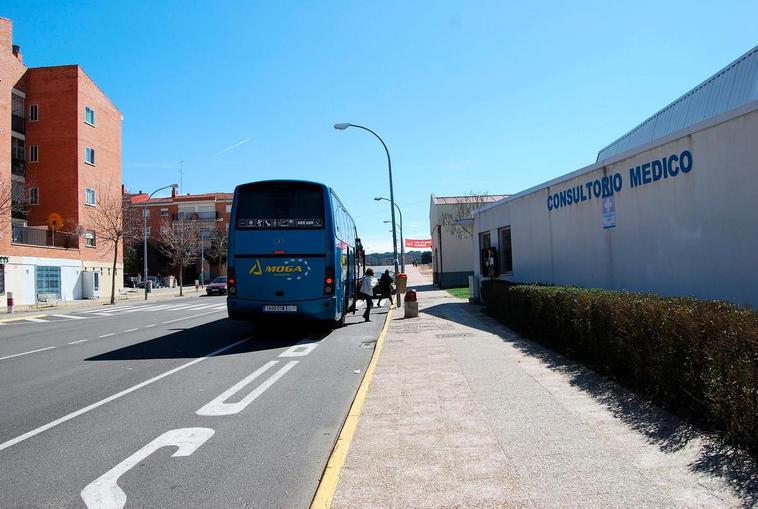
(668, 432)
(203, 339)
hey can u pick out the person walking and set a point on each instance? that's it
(385, 288)
(367, 291)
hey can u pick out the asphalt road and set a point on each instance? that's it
(172, 406)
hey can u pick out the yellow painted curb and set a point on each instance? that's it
(328, 485)
(20, 318)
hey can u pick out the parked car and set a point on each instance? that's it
(217, 286)
(130, 281)
(156, 282)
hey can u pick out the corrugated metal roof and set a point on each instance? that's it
(450, 200)
(732, 87)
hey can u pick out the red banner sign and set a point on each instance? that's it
(420, 243)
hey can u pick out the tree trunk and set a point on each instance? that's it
(181, 290)
(113, 273)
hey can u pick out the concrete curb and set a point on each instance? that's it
(327, 487)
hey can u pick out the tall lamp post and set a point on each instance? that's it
(342, 127)
(144, 228)
(402, 244)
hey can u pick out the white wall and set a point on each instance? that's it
(692, 234)
(20, 277)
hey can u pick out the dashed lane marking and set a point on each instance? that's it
(106, 335)
(75, 342)
(193, 316)
(130, 330)
(26, 353)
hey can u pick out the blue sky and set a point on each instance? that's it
(470, 96)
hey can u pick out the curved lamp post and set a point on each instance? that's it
(402, 244)
(144, 227)
(342, 127)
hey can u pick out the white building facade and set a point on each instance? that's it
(670, 208)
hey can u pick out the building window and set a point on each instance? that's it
(33, 113)
(228, 209)
(17, 148)
(2, 279)
(89, 155)
(33, 196)
(33, 153)
(506, 253)
(96, 276)
(17, 105)
(485, 243)
(89, 238)
(89, 197)
(89, 116)
(48, 280)
(164, 212)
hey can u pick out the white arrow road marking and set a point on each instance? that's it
(102, 402)
(104, 492)
(301, 348)
(218, 405)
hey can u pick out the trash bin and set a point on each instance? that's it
(401, 282)
(149, 285)
(411, 304)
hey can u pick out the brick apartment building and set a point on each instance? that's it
(208, 211)
(60, 151)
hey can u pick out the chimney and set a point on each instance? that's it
(17, 52)
(173, 192)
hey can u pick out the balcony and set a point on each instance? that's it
(18, 167)
(18, 124)
(45, 238)
(195, 216)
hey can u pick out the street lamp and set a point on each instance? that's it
(144, 227)
(402, 244)
(342, 127)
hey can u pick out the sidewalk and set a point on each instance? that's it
(462, 412)
(133, 296)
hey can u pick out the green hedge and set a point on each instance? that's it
(698, 357)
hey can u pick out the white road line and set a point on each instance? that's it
(75, 342)
(106, 335)
(151, 325)
(26, 353)
(35, 320)
(71, 317)
(218, 405)
(193, 316)
(102, 402)
(130, 330)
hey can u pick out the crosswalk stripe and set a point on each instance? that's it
(72, 317)
(35, 320)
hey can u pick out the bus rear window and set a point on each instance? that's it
(280, 205)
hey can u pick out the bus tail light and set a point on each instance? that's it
(329, 281)
(231, 281)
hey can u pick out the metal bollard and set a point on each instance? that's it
(9, 302)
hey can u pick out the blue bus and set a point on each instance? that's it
(293, 252)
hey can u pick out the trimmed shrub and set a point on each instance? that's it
(696, 357)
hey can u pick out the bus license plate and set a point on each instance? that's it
(280, 309)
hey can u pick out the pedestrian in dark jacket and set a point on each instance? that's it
(385, 288)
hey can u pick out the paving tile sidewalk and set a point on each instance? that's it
(462, 412)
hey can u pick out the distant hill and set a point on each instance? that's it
(386, 258)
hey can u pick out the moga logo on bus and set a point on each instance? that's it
(292, 269)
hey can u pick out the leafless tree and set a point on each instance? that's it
(455, 219)
(218, 248)
(180, 242)
(13, 198)
(111, 222)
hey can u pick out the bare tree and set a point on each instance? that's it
(13, 199)
(218, 248)
(112, 223)
(180, 242)
(457, 219)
